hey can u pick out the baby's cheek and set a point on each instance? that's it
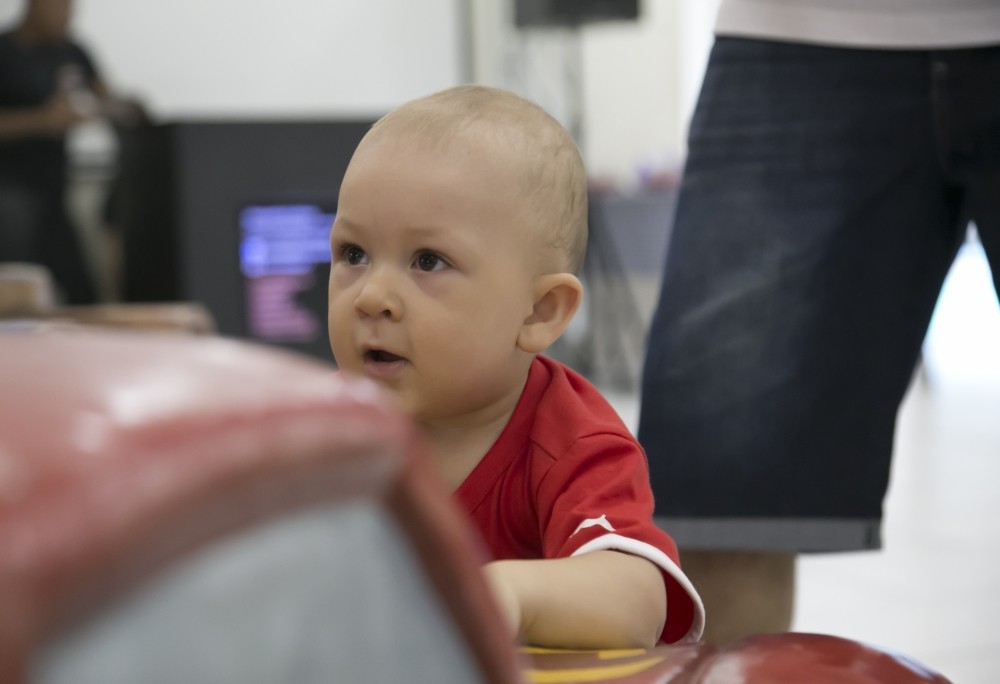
(340, 345)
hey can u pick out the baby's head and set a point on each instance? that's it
(461, 225)
(503, 129)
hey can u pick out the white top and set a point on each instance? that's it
(898, 24)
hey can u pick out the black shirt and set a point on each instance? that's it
(30, 75)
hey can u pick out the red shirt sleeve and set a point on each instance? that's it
(597, 497)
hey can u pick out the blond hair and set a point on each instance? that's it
(554, 178)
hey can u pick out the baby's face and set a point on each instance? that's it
(432, 275)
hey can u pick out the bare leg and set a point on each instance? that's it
(745, 592)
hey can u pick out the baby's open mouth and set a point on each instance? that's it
(380, 356)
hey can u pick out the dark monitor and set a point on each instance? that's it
(285, 262)
(236, 216)
(568, 13)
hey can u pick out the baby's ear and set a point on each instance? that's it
(557, 297)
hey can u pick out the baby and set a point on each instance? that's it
(461, 226)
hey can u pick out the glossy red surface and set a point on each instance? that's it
(814, 658)
(122, 452)
(789, 658)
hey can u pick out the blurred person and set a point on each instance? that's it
(837, 154)
(48, 85)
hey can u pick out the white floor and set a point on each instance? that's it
(933, 592)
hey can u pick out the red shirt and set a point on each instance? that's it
(567, 477)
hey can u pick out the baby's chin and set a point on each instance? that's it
(416, 408)
(400, 400)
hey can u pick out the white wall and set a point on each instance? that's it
(326, 58)
(256, 58)
(636, 81)
(641, 83)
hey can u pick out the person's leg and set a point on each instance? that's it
(744, 592)
(968, 85)
(20, 217)
(811, 239)
(64, 255)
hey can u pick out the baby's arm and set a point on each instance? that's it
(597, 600)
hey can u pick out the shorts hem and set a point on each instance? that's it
(799, 535)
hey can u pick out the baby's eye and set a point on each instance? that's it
(353, 254)
(429, 261)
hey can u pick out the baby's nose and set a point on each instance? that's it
(378, 295)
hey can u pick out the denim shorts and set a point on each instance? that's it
(826, 193)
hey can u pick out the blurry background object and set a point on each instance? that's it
(27, 299)
(49, 84)
(25, 289)
(236, 215)
(351, 63)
